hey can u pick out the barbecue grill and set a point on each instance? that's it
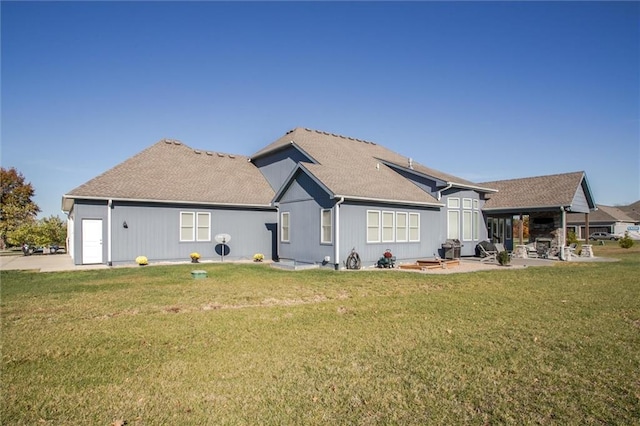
(451, 249)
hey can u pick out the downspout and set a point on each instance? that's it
(444, 189)
(276, 255)
(109, 208)
(336, 244)
(563, 225)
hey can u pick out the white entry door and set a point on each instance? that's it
(91, 241)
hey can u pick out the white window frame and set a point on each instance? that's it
(467, 225)
(198, 222)
(476, 204)
(402, 229)
(415, 228)
(192, 226)
(392, 227)
(466, 203)
(288, 227)
(198, 226)
(453, 203)
(456, 234)
(374, 226)
(324, 225)
(476, 225)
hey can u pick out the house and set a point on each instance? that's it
(309, 197)
(605, 219)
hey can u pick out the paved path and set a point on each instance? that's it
(43, 263)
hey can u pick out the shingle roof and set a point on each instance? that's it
(171, 171)
(534, 192)
(632, 210)
(603, 214)
(354, 167)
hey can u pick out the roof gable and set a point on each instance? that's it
(170, 171)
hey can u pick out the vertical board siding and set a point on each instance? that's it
(468, 246)
(89, 210)
(579, 204)
(278, 166)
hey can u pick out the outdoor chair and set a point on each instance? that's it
(500, 248)
(532, 250)
(487, 255)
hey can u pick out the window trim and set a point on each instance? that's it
(405, 227)
(197, 227)
(467, 215)
(476, 225)
(457, 236)
(288, 215)
(417, 227)
(451, 204)
(323, 225)
(369, 226)
(193, 226)
(393, 226)
(195, 218)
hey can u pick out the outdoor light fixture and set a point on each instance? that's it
(124, 224)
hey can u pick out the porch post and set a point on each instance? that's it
(521, 230)
(586, 227)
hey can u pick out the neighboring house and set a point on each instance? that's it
(547, 200)
(633, 211)
(606, 219)
(310, 197)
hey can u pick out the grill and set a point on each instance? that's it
(451, 249)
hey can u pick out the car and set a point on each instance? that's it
(603, 236)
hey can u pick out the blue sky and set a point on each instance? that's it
(481, 90)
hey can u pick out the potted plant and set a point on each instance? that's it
(504, 258)
(195, 257)
(258, 257)
(142, 260)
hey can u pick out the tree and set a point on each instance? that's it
(16, 206)
(45, 232)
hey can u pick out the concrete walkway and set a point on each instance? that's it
(43, 263)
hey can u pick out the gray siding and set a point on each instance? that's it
(579, 204)
(353, 234)
(153, 230)
(89, 210)
(468, 248)
(304, 200)
(428, 185)
(278, 166)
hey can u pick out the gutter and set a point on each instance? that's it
(146, 200)
(336, 245)
(109, 208)
(444, 189)
(387, 201)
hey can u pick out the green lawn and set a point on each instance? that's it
(254, 345)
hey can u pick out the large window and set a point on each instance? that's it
(195, 226)
(387, 227)
(373, 226)
(476, 225)
(284, 227)
(401, 227)
(325, 226)
(453, 224)
(467, 227)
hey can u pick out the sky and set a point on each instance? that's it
(481, 90)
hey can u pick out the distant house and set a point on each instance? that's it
(310, 196)
(606, 219)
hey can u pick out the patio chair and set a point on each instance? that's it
(487, 255)
(532, 250)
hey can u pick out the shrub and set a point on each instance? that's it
(572, 238)
(258, 257)
(194, 256)
(626, 241)
(503, 258)
(142, 260)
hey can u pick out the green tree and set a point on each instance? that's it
(16, 206)
(42, 233)
(626, 241)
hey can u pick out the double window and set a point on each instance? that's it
(389, 226)
(195, 226)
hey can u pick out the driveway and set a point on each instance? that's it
(43, 263)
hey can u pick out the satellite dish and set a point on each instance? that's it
(222, 238)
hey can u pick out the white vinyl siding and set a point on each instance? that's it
(414, 227)
(373, 226)
(284, 227)
(325, 226)
(387, 227)
(453, 225)
(401, 227)
(195, 226)
(467, 226)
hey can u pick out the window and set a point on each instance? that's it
(467, 227)
(453, 203)
(453, 225)
(414, 227)
(509, 229)
(325, 226)
(284, 227)
(401, 227)
(466, 203)
(476, 225)
(195, 226)
(387, 227)
(476, 204)
(373, 226)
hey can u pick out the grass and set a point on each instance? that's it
(254, 345)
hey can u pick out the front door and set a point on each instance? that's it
(91, 241)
